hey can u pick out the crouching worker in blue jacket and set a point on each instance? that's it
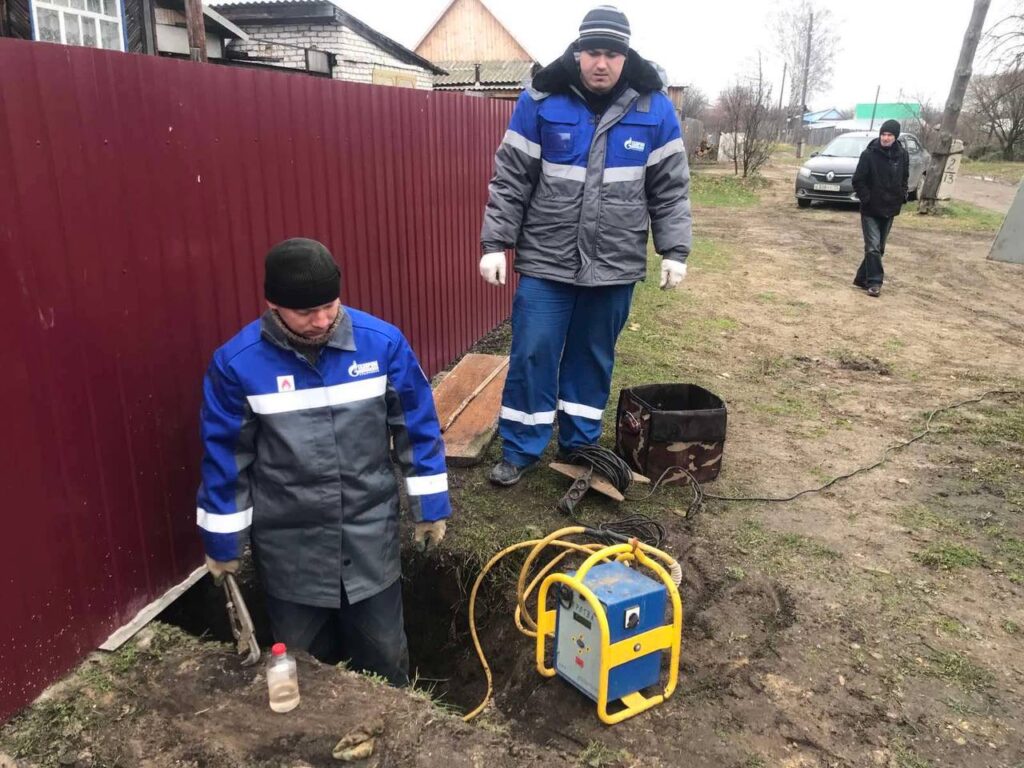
(298, 412)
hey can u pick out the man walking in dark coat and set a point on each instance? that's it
(881, 184)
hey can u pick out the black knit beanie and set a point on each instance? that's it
(890, 126)
(605, 27)
(301, 274)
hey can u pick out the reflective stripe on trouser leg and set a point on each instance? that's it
(586, 371)
(540, 320)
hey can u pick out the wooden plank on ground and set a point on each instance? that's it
(598, 482)
(463, 383)
(470, 407)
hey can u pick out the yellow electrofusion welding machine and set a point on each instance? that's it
(609, 630)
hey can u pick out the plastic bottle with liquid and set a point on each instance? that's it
(282, 679)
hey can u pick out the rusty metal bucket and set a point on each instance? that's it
(659, 426)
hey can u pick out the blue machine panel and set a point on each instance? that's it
(633, 604)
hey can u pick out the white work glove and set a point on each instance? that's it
(492, 267)
(427, 535)
(217, 568)
(672, 274)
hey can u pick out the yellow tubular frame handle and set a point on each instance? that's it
(534, 553)
(659, 638)
(667, 636)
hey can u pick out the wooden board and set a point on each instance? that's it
(470, 410)
(597, 482)
(462, 384)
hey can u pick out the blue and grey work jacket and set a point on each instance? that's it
(297, 457)
(576, 194)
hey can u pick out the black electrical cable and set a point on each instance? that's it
(699, 495)
(615, 469)
(641, 527)
(604, 462)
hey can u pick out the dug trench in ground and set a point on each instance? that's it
(178, 694)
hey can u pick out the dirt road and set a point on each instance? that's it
(993, 195)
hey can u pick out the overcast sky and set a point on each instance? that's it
(909, 47)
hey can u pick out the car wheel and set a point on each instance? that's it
(803, 202)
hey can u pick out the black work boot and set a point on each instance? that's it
(874, 290)
(506, 473)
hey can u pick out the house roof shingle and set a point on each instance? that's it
(492, 74)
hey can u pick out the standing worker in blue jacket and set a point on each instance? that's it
(298, 412)
(593, 156)
(880, 182)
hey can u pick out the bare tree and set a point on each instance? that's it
(747, 113)
(954, 103)
(928, 120)
(1004, 41)
(695, 103)
(808, 44)
(999, 100)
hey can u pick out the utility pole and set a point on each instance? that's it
(803, 91)
(874, 108)
(782, 90)
(196, 28)
(3, 18)
(954, 103)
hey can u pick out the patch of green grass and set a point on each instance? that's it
(961, 707)
(666, 325)
(716, 191)
(706, 254)
(920, 517)
(777, 552)
(904, 757)
(893, 344)
(954, 216)
(952, 627)
(785, 155)
(691, 333)
(996, 425)
(1006, 171)
(786, 404)
(949, 556)
(596, 755)
(1010, 551)
(769, 365)
(735, 573)
(50, 731)
(1001, 477)
(754, 761)
(426, 690)
(958, 669)
(1010, 627)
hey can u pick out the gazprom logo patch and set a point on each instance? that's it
(362, 369)
(634, 146)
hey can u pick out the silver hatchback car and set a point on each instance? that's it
(828, 175)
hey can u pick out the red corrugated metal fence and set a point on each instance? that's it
(137, 198)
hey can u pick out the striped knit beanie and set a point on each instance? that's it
(605, 27)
